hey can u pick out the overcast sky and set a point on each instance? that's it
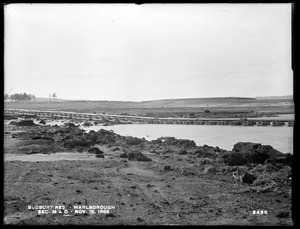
(146, 52)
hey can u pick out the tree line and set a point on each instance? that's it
(20, 97)
(25, 97)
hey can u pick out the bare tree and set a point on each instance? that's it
(54, 96)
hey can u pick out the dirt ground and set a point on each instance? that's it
(171, 189)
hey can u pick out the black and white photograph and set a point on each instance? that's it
(148, 114)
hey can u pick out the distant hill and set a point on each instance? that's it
(41, 99)
(197, 102)
(173, 103)
(275, 97)
(204, 99)
(158, 107)
(184, 102)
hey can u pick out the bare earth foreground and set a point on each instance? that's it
(176, 183)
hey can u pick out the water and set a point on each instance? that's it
(279, 117)
(280, 138)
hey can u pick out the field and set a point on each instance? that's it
(218, 107)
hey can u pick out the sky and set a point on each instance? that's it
(129, 52)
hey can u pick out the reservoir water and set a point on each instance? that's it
(280, 138)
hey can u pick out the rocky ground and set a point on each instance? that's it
(167, 181)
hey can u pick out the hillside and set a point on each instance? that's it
(275, 97)
(197, 102)
(163, 108)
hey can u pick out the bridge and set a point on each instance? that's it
(147, 120)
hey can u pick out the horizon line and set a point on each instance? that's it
(217, 97)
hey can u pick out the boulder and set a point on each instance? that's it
(167, 168)
(36, 137)
(95, 150)
(167, 151)
(142, 157)
(42, 121)
(209, 169)
(133, 141)
(184, 143)
(69, 124)
(248, 152)
(217, 149)
(250, 147)
(80, 150)
(157, 141)
(86, 123)
(198, 151)
(76, 141)
(70, 130)
(23, 123)
(204, 154)
(183, 152)
(287, 159)
(106, 137)
(28, 116)
(123, 155)
(245, 146)
(207, 151)
(92, 137)
(248, 178)
(132, 156)
(206, 160)
(234, 158)
(39, 136)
